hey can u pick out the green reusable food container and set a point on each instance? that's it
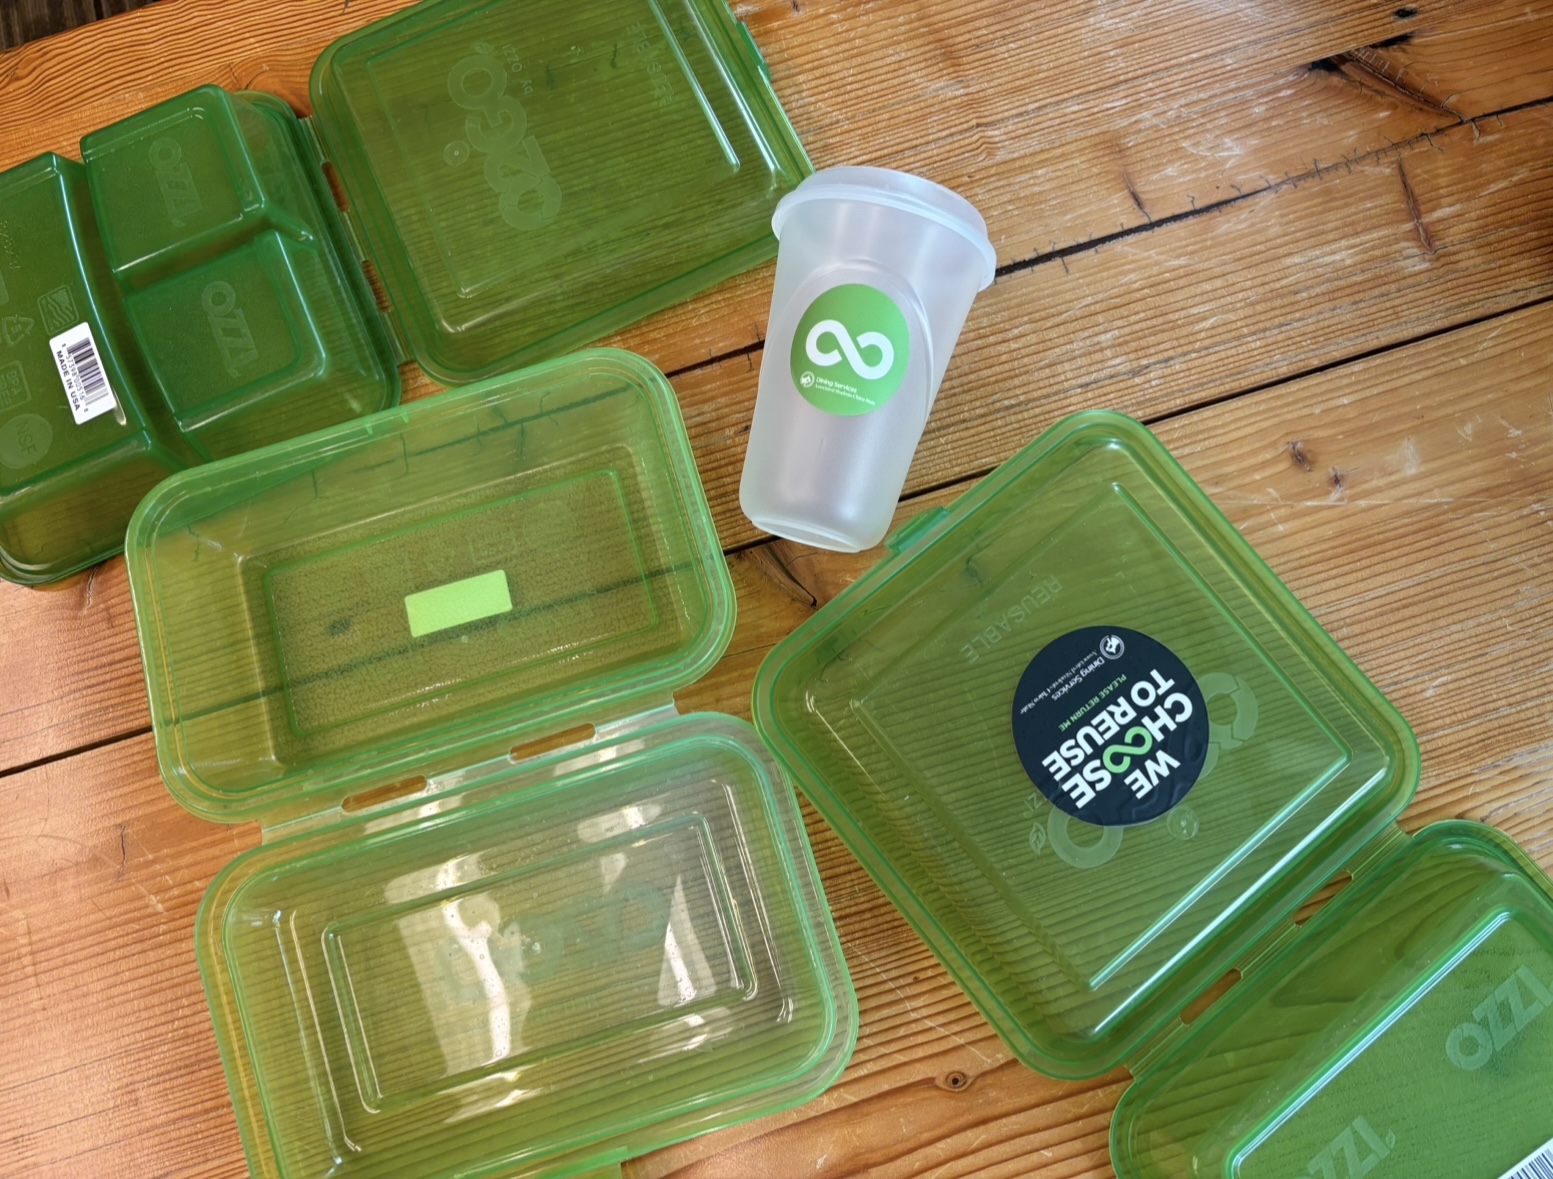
(524, 176)
(513, 914)
(1099, 756)
(183, 295)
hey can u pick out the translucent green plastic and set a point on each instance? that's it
(1404, 1025)
(1411, 1026)
(561, 966)
(525, 175)
(892, 709)
(199, 244)
(528, 965)
(531, 176)
(276, 592)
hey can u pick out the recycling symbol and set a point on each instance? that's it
(15, 329)
(1224, 737)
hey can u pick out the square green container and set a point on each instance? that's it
(895, 710)
(454, 954)
(523, 175)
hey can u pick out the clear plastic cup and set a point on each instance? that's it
(876, 273)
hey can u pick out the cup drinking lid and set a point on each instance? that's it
(896, 190)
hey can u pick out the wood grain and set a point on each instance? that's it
(1173, 114)
(1363, 256)
(1419, 535)
(1204, 214)
(29, 20)
(1357, 257)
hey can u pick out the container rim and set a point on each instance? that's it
(896, 190)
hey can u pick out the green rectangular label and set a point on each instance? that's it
(458, 602)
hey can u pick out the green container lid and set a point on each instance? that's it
(453, 956)
(1411, 1025)
(529, 176)
(893, 708)
(524, 175)
(1098, 755)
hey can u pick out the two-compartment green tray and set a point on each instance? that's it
(1099, 756)
(455, 954)
(524, 176)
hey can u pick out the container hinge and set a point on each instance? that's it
(760, 58)
(1270, 944)
(310, 134)
(915, 529)
(615, 730)
(1385, 845)
(1156, 1047)
(397, 343)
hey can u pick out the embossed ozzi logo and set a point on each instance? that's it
(229, 326)
(1498, 1021)
(1354, 1153)
(175, 180)
(497, 128)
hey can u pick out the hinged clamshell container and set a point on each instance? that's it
(1099, 756)
(523, 176)
(456, 954)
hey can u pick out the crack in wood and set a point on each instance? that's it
(1132, 191)
(1296, 449)
(1413, 210)
(1370, 68)
(771, 560)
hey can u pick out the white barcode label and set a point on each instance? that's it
(1538, 1166)
(80, 368)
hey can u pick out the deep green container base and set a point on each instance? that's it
(910, 708)
(199, 247)
(525, 177)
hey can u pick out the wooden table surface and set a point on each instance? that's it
(1310, 241)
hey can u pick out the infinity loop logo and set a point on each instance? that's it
(831, 331)
(838, 332)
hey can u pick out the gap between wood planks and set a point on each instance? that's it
(1058, 255)
(1097, 243)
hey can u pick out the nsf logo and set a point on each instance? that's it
(1112, 646)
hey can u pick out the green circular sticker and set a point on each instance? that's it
(850, 350)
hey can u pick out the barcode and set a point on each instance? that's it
(81, 372)
(1538, 1166)
(94, 382)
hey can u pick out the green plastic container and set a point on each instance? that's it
(524, 176)
(184, 295)
(1098, 756)
(460, 950)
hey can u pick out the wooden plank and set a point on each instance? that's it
(29, 20)
(1172, 114)
(1288, 280)
(1363, 256)
(1406, 498)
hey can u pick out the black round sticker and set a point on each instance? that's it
(1110, 726)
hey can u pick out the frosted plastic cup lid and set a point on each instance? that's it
(896, 190)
